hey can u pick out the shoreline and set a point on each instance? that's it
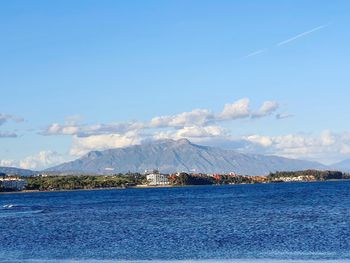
(157, 186)
(93, 189)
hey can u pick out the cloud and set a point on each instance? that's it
(65, 129)
(236, 110)
(284, 42)
(195, 117)
(327, 147)
(41, 160)
(281, 116)
(239, 109)
(193, 133)
(200, 132)
(7, 117)
(266, 109)
(89, 130)
(8, 135)
(8, 163)
(197, 125)
(82, 145)
(264, 141)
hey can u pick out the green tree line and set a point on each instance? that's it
(71, 182)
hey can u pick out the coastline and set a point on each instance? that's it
(94, 189)
(159, 186)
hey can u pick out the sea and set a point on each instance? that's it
(285, 222)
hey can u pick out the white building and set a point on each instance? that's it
(157, 179)
(13, 183)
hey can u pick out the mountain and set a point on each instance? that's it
(343, 165)
(170, 156)
(16, 171)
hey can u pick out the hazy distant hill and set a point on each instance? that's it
(343, 165)
(173, 156)
(16, 171)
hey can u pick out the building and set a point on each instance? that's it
(156, 178)
(13, 183)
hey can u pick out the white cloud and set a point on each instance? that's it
(42, 160)
(200, 132)
(236, 110)
(39, 161)
(197, 125)
(326, 147)
(264, 141)
(202, 117)
(89, 130)
(9, 163)
(193, 133)
(327, 138)
(201, 126)
(66, 129)
(82, 145)
(195, 117)
(266, 109)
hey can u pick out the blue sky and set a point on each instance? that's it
(72, 72)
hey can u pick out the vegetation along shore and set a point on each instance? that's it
(11, 183)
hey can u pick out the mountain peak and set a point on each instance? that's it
(169, 156)
(170, 141)
(183, 141)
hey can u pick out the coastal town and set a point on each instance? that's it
(12, 183)
(52, 182)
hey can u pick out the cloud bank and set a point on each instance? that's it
(197, 125)
(202, 126)
(327, 147)
(41, 160)
(239, 109)
(205, 126)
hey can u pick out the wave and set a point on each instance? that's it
(9, 206)
(13, 210)
(186, 261)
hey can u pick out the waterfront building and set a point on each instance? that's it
(156, 178)
(14, 184)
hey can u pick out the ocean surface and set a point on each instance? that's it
(291, 222)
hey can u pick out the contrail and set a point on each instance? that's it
(255, 53)
(301, 35)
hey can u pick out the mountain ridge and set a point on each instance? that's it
(170, 156)
(16, 171)
(343, 165)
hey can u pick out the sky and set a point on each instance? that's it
(266, 77)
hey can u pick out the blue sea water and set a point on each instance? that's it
(238, 223)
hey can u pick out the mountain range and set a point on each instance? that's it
(343, 165)
(16, 171)
(170, 156)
